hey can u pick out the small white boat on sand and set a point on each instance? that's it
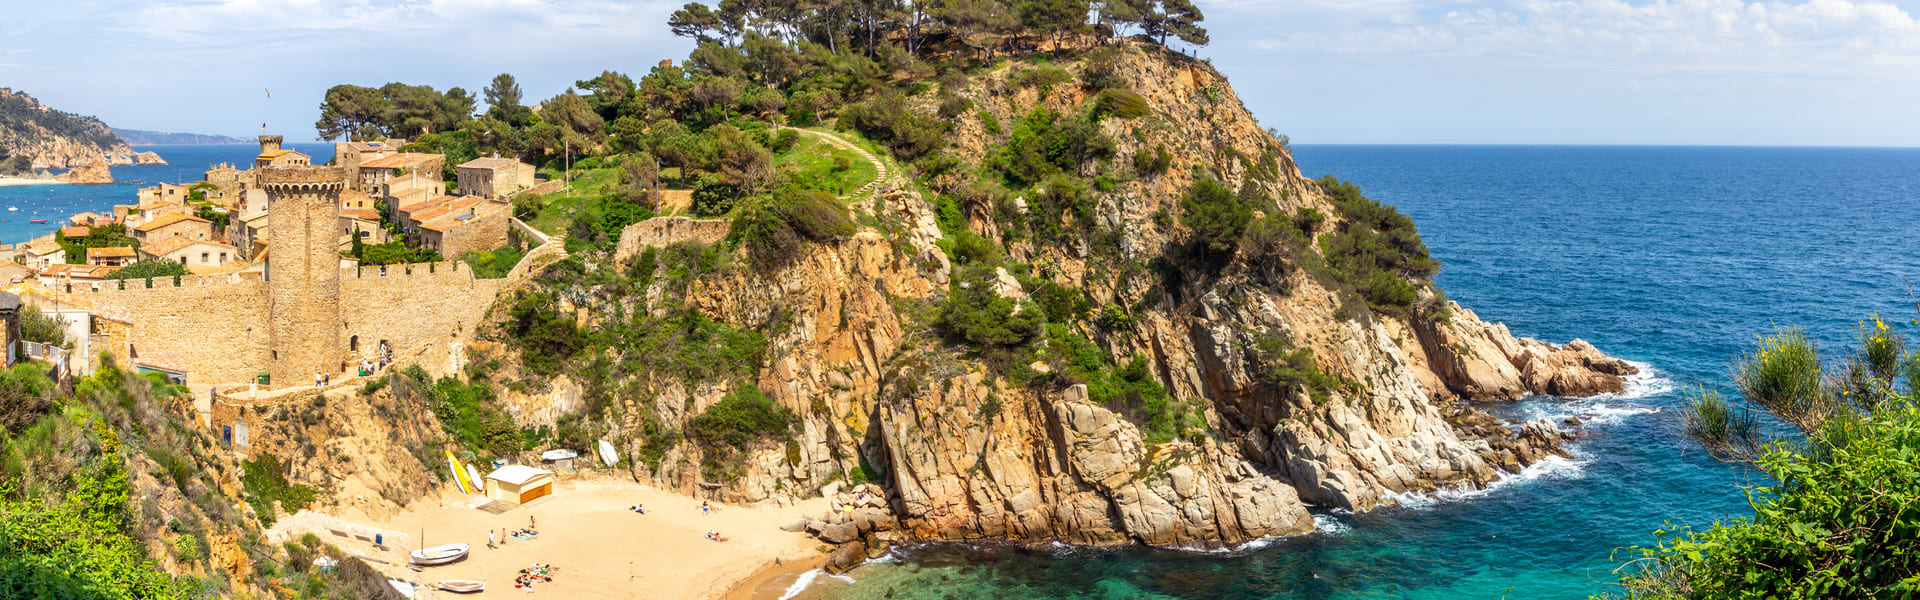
(463, 586)
(405, 589)
(552, 455)
(439, 555)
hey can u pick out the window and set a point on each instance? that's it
(204, 256)
(183, 260)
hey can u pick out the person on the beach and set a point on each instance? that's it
(490, 539)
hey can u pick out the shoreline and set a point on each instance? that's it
(19, 181)
(770, 581)
(598, 547)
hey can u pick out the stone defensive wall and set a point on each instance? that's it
(660, 232)
(426, 312)
(217, 325)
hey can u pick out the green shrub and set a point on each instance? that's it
(546, 337)
(775, 232)
(150, 268)
(746, 416)
(969, 248)
(1839, 521)
(713, 196)
(1045, 144)
(887, 119)
(1043, 78)
(990, 123)
(974, 314)
(43, 328)
(267, 487)
(1375, 249)
(1152, 162)
(1120, 103)
(954, 106)
(495, 263)
(1215, 218)
(1289, 370)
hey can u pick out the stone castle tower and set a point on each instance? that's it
(303, 270)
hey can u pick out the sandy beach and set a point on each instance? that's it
(12, 181)
(598, 548)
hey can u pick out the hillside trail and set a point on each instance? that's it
(880, 172)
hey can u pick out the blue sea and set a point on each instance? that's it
(186, 164)
(1672, 257)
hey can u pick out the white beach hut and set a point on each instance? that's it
(519, 483)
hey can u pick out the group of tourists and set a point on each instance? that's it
(538, 573)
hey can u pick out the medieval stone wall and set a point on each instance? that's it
(216, 325)
(426, 312)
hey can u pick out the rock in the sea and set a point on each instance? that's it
(847, 556)
(148, 158)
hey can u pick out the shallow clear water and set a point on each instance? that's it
(1672, 257)
(186, 164)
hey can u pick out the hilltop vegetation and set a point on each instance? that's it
(31, 131)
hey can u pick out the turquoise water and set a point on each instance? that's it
(186, 164)
(1672, 257)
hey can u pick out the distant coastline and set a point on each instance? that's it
(136, 137)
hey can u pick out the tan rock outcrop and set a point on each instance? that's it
(95, 172)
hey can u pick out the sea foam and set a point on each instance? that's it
(806, 580)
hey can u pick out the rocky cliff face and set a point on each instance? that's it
(962, 446)
(55, 139)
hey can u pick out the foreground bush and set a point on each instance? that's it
(1843, 518)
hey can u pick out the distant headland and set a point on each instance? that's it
(161, 138)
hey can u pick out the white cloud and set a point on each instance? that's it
(1781, 36)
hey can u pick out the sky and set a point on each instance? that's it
(1690, 72)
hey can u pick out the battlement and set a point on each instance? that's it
(166, 283)
(410, 269)
(298, 179)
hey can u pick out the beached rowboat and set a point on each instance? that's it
(439, 555)
(463, 586)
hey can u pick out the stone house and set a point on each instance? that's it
(42, 253)
(135, 215)
(60, 275)
(114, 256)
(250, 234)
(163, 193)
(413, 215)
(350, 155)
(493, 177)
(356, 200)
(375, 172)
(13, 272)
(408, 190)
(88, 219)
(479, 225)
(174, 225)
(199, 256)
(363, 223)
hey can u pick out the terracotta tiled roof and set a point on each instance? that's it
(167, 219)
(489, 163)
(78, 271)
(110, 252)
(403, 159)
(451, 221)
(171, 245)
(363, 214)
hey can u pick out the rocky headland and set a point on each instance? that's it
(1296, 388)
